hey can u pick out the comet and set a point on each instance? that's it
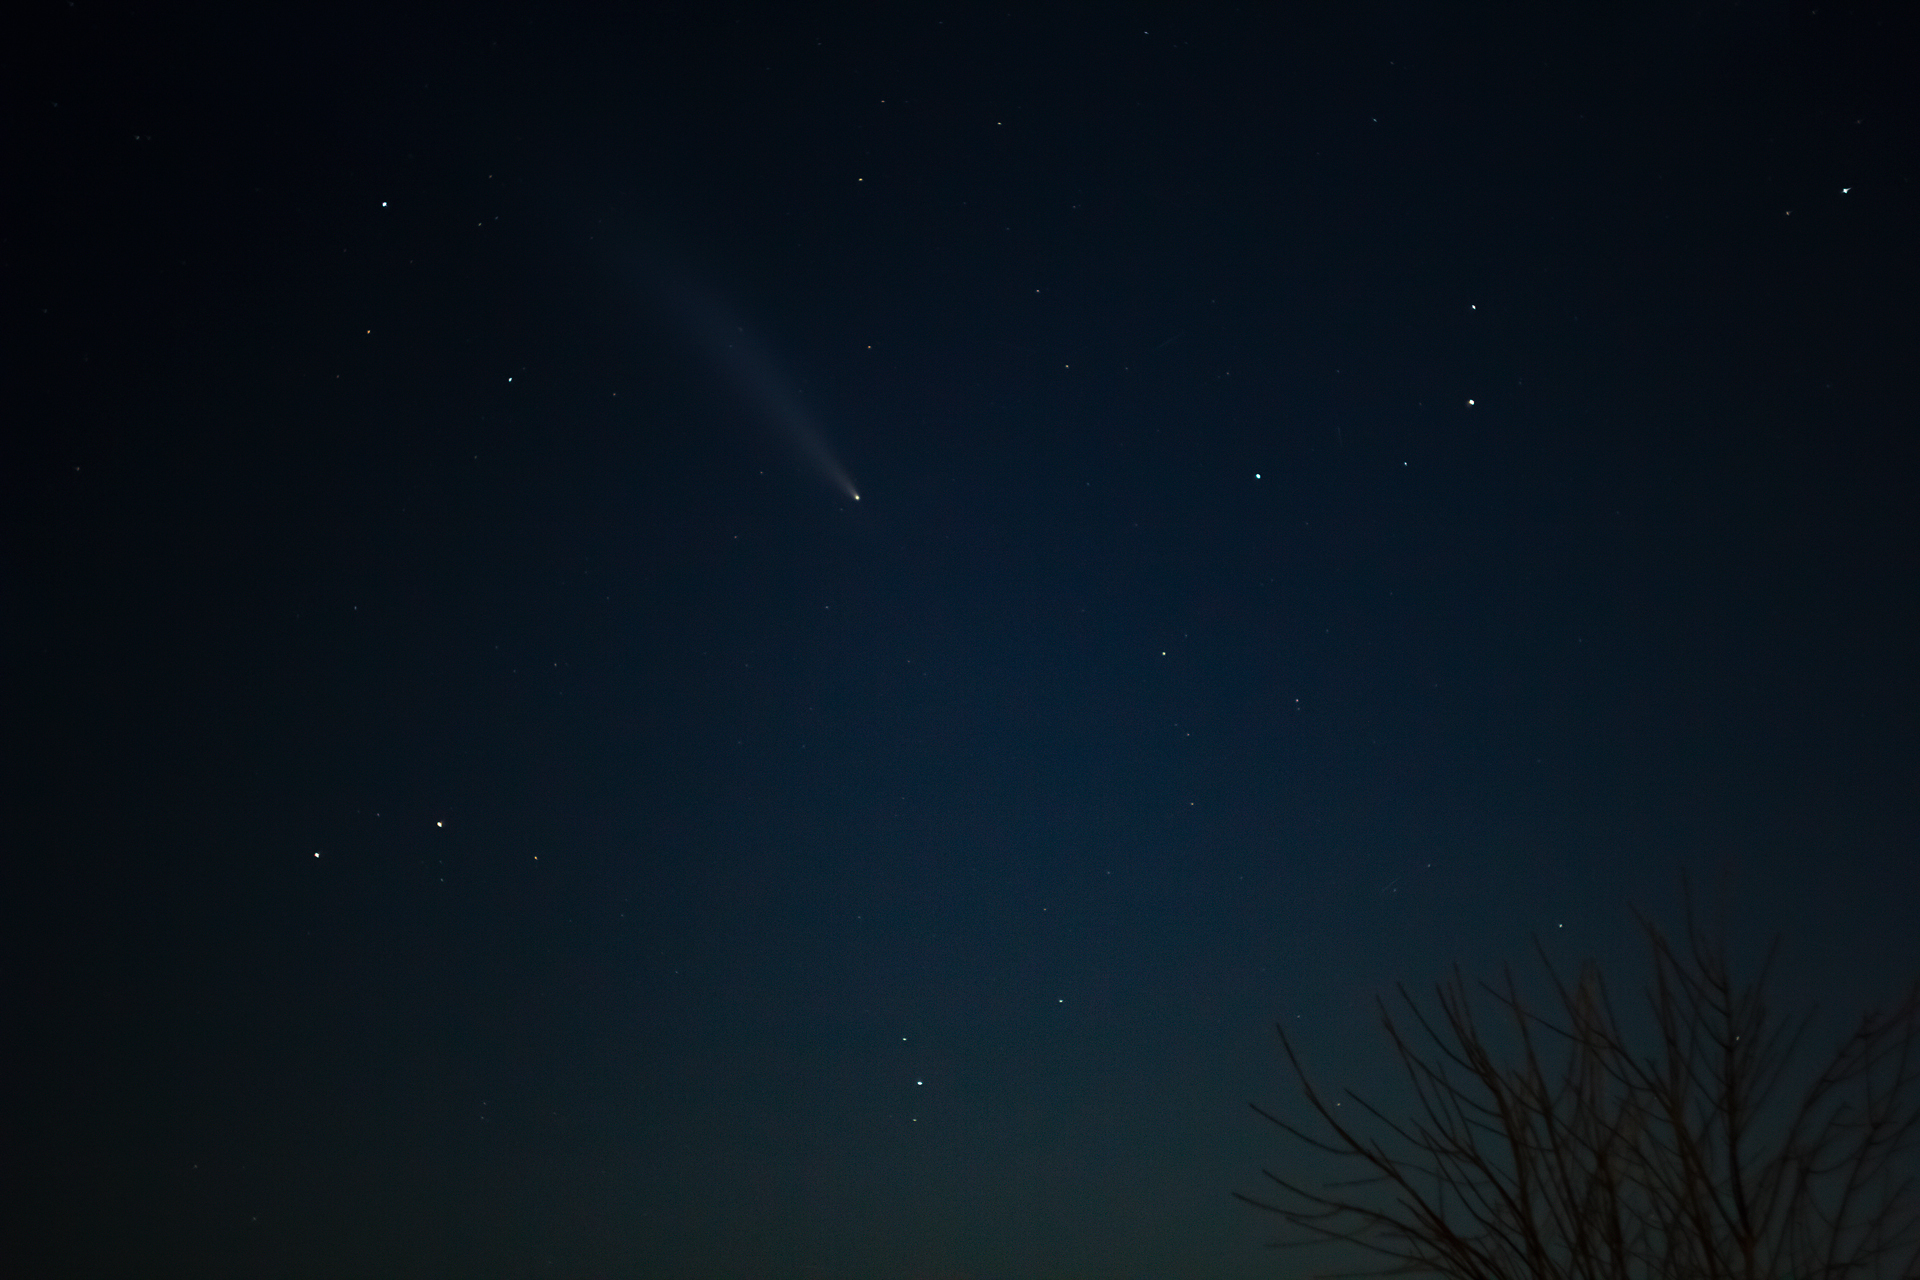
(751, 371)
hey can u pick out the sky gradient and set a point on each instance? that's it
(1338, 495)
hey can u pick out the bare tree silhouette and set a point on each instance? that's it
(1567, 1152)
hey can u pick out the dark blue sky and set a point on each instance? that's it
(1339, 495)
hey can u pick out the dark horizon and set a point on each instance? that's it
(1338, 495)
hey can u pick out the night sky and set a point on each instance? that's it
(1338, 493)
